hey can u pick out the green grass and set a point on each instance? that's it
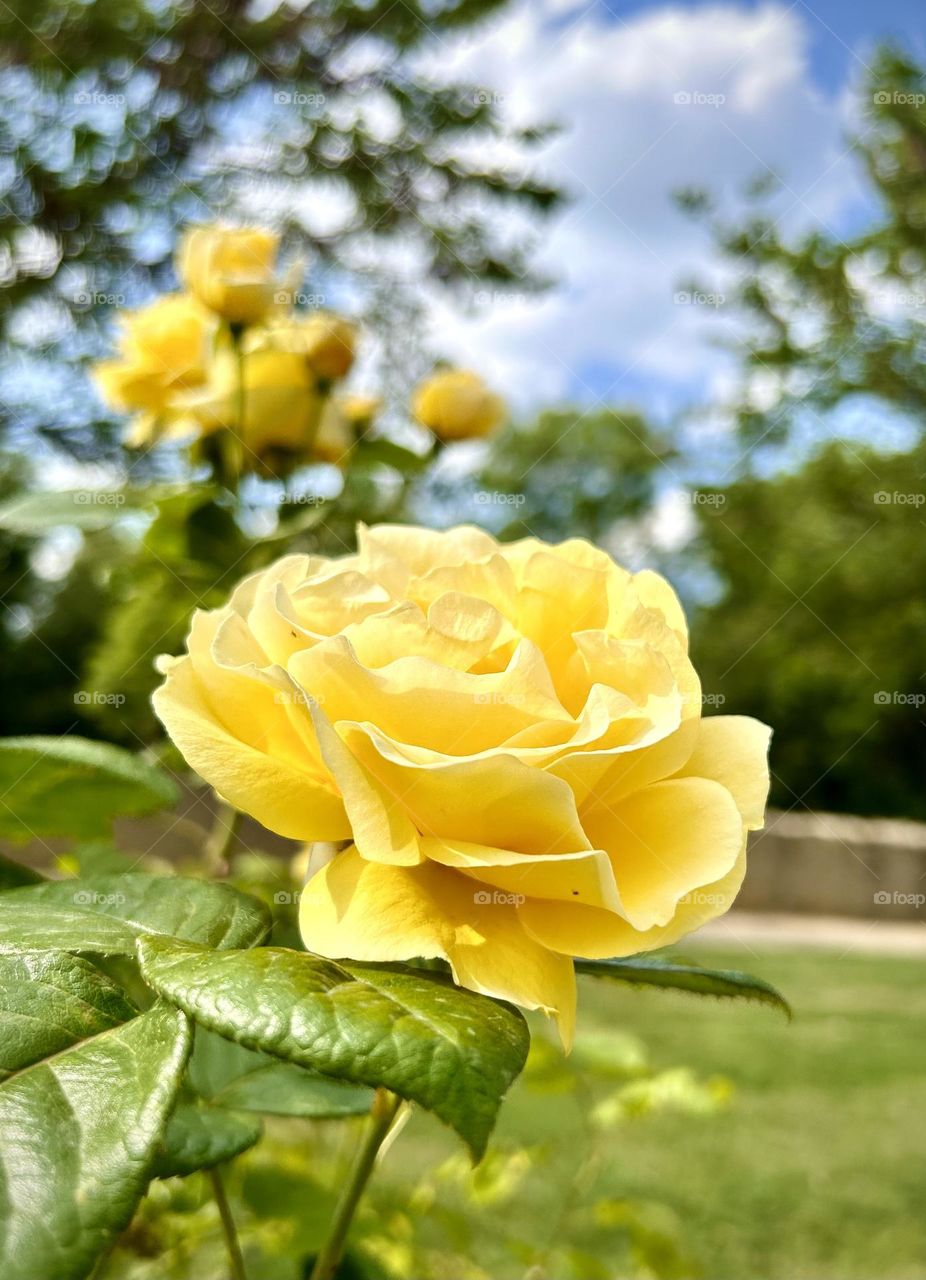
(814, 1170)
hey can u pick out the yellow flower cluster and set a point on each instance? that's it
(230, 355)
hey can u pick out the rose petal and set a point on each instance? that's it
(370, 911)
(284, 798)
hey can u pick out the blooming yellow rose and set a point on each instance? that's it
(163, 351)
(230, 270)
(510, 736)
(456, 404)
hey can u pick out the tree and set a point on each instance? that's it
(571, 473)
(819, 630)
(828, 318)
(122, 120)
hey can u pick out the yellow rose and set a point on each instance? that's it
(230, 270)
(325, 340)
(511, 736)
(163, 351)
(282, 403)
(360, 410)
(456, 404)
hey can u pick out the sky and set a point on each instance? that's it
(653, 97)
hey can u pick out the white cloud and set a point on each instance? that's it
(670, 98)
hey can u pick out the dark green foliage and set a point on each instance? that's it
(820, 627)
(572, 473)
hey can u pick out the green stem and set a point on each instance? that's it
(235, 1256)
(385, 1106)
(232, 438)
(220, 838)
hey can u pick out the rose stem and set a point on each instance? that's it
(220, 837)
(382, 1114)
(235, 1256)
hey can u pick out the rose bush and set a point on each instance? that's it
(509, 735)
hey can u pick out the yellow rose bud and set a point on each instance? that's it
(360, 410)
(325, 340)
(230, 270)
(511, 735)
(456, 404)
(163, 351)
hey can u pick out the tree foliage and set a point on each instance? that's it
(819, 631)
(121, 119)
(828, 317)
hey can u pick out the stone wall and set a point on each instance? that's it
(830, 864)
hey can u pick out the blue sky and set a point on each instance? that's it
(652, 97)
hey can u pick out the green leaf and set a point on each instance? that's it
(452, 1051)
(662, 971)
(49, 1002)
(78, 1136)
(13, 874)
(282, 1089)
(232, 1076)
(74, 787)
(33, 514)
(379, 449)
(106, 914)
(199, 1136)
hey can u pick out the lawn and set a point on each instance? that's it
(814, 1168)
(684, 1139)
